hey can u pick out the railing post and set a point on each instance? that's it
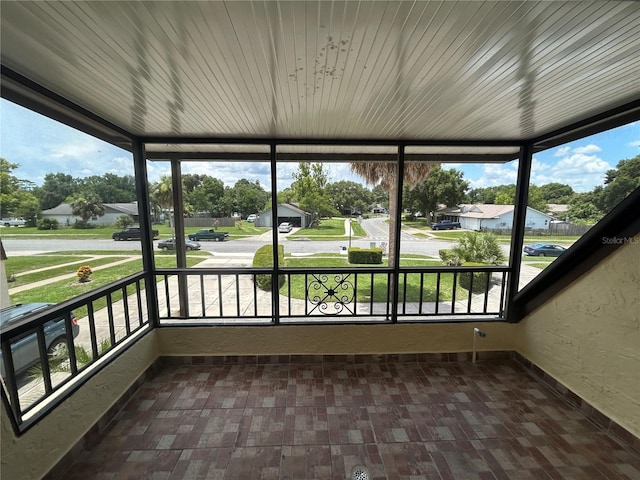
(395, 275)
(144, 219)
(178, 225)
(275, 284)
(517, 229)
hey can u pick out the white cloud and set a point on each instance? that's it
(79, 149)
(635, 143)
(591, 148)
(562, 151)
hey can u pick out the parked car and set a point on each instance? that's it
(285, 227)
(131, 233)
(209, 234)
(544, 250)
(445, 225)
(13, 222)
(170, 244)
(252, 218)
(24, 350)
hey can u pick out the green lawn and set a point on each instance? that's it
(505, 239)
(54, 272)
(329, 229)
(65, 289)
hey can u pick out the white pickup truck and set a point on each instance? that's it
(13, 222)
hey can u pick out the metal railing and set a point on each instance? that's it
(45, 352)
(339, 295)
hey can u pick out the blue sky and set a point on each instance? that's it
(40, 146)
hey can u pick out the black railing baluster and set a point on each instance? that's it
(125, 306)
(486, 291)
(220, 295)
(202, 301)
(404, 293)
(255, 297)
(73, 365)
(44, 359)
(112, 329)
(237, 295)
(167, 298)
(139, 300)
(421, 295)
(437, 305)
(471, 275)
(503, 287)
(453, 292)
(92, 331)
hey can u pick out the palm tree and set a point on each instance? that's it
(385, 174)
(162, 195)
(86, 207)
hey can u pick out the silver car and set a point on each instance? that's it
(24, 349)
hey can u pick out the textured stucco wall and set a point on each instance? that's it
(334, 339)
(588, 336)
(33, 454)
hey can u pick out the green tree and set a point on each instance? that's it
(87, 207)
(620, 182)
(348, 197)
(109, 187)
(310, 180)
(440, 187)
(9, 186)
(55, 189)
(249, 197)
(206, 197)
(583, 209)
(556, 193)
(161, 193)
(15, 199)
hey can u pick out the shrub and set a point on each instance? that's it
(366, 256)
(84, 272)
(123, 221)
(47, 224)
(81, 225)
(449, 258)
(479, 279)
(478, 247)
(264, 258)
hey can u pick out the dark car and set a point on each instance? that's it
(131, 233)
(544, 250)
(170, 244)
(24, 349)
(209, 234)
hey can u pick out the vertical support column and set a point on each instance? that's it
(144, 219)
(517, 229)
(275, 284)
(178, 224)
(395, 276)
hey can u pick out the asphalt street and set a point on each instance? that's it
(376, 228)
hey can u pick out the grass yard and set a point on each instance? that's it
(65, 289)
(70, 270)
(329, 229)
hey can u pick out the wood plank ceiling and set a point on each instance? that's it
(492, 70)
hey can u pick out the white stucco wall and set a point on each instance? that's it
(588, 336)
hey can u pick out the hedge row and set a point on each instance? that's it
(264, 258)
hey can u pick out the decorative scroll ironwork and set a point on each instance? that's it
(331, 295)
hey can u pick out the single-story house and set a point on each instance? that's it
(62, 213)
(287, 212)
(499, 217)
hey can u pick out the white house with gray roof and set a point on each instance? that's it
(499, 217)
(62, 213)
